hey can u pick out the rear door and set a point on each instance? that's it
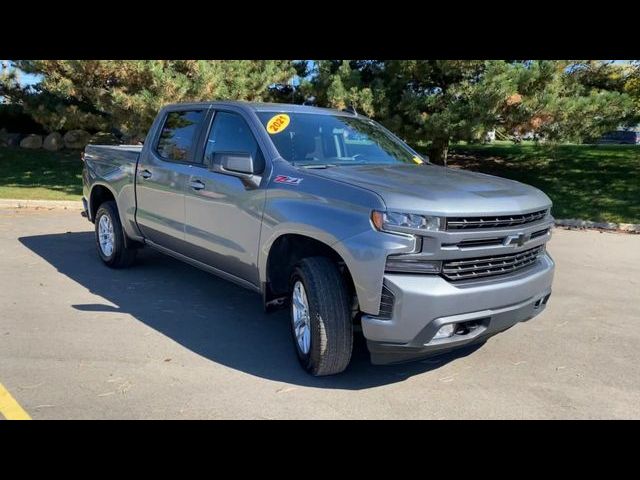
(224, 212)
(163, 171)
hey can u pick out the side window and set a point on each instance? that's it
(178, 135)
(230, 133)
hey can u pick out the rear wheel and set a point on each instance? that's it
(320, 317)
(110, 237)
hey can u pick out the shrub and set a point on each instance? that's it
(14, 120)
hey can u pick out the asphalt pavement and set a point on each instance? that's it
(165, 340)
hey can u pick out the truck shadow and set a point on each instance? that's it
(211, 317)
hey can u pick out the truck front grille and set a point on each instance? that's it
(462, 223)
(469, 268)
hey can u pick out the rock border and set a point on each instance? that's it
(588, 224)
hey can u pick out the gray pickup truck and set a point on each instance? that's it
(332, 215)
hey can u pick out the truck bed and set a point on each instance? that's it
(114, 166)
(104, 159)
(122, 153)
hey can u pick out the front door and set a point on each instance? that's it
(163, 172)
(223, 213)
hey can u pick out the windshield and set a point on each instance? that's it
(309, 139)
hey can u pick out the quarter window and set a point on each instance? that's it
(178, 135)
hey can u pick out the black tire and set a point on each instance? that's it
(121, 256)
(330, 316)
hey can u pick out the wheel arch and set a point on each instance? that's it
(286, 251)
(99, 194)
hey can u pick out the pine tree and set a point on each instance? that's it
(126, 94)
(432, 102)
(632, 88)
(442, 101)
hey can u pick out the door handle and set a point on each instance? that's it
(196, 185)
(145, 174)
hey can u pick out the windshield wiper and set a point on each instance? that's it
(323, 165)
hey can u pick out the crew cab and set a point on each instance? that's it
(328, 213)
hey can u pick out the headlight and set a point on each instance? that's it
(405, 222)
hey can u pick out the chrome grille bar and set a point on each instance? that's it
(461, 223)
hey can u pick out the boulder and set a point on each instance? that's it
(630, 227)
(104, 138)
(76, 139)
(53, 142)
(12, 139)
(133, 140)
(31, 141)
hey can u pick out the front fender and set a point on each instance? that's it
(316, 218)
(343, 226)
(365, 255)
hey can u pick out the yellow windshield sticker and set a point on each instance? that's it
(417, 160)
(278, 123)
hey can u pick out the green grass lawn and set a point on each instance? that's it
(590, 182)
(40, 174)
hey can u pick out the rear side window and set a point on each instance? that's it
(231, 133)
(178, 135)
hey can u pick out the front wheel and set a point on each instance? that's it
(320, 317)
(110, 237)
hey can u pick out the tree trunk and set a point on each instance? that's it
(439, 150)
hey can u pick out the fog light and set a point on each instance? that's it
(411, 264)
(445, 331)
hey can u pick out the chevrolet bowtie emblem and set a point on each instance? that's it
(517, 240)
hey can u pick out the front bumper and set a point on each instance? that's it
(424, 303)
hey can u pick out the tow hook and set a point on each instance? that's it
(275, 304)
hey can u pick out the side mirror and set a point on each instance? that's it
(239, 164)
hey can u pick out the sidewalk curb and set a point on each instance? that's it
(46, 204)
(559, 222)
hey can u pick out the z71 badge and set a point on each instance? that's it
(287, 180)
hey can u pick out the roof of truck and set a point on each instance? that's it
(266, 107)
